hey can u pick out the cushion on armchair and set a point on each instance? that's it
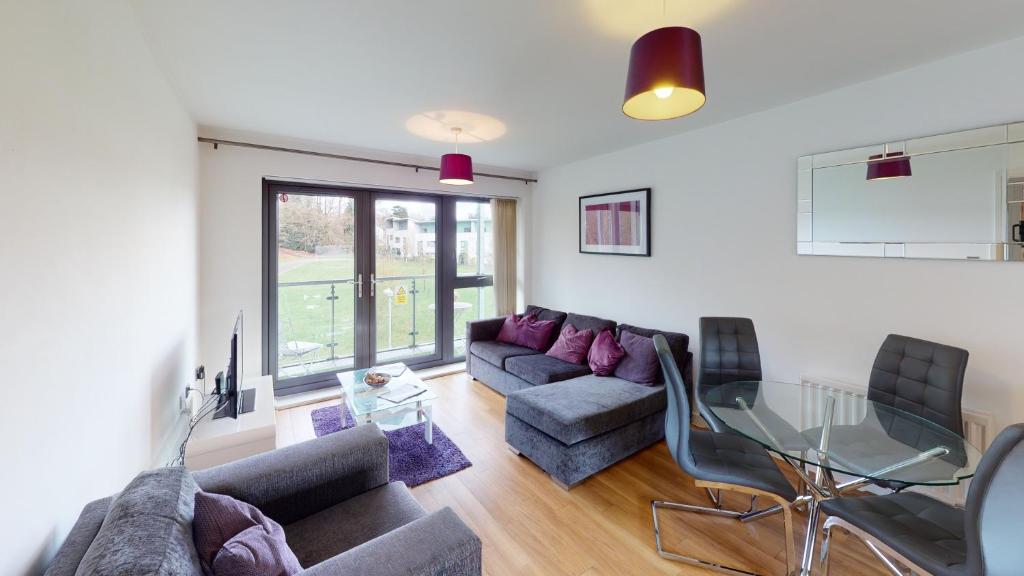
(233, 537)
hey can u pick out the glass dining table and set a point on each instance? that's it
(837, 441)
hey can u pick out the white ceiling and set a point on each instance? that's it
(353, 72)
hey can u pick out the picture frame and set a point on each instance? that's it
(616, 223)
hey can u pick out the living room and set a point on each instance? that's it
(584, 287)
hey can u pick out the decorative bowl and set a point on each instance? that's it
(376, 379)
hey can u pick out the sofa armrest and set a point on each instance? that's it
(291, 483)
(438, 543)
(71, 552)
(480, 330)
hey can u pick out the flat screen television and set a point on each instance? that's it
(233, 399)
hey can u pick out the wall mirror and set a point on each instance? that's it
(951, 196)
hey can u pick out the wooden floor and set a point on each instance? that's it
(602, 527)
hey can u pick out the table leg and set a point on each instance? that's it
(419, 411)
(428, 430)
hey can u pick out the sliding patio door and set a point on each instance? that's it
(356, 278)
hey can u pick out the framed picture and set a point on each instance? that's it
(616, 223)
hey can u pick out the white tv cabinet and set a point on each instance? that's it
(223, 440)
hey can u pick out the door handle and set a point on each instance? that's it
(359, 285)
(373, 284)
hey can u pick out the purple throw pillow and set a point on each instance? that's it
(255, 551)
(509, 329)
(218, 518)
(640, 364)
(605, 354)
(535, 334)
(572, 345)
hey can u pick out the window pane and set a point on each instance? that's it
(406, 283)
(471, 304)
(474, 239)
(315, 296)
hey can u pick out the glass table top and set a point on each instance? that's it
(363, 399)
(864, 438)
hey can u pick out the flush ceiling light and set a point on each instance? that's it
(888, 165)
(666, 75)
(456, 169)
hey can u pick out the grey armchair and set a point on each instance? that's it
(340, 513)
(931, 537)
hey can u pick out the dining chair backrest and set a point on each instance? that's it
(728, 351)
(677, 415)
(921, 377)
(994, 513)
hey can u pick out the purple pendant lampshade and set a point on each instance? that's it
(666, 75)
(889, 165)
(456, 169)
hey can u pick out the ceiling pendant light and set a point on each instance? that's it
(456, 169)
(666, 75)
(888, 165)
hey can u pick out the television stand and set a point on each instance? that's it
(246, 404)
(215, 442)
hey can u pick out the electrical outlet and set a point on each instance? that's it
(183, 400)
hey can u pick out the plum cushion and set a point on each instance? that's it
(572, 345)
(219, 520)
(605, 354)
(510, 329)
(640, 364)
(256, 552)
(534, 333)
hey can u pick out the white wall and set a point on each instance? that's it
(231, 180)
(98, 265)
(724, 203)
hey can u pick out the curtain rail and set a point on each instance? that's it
(216, 142)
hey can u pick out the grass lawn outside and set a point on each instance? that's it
(304, 312)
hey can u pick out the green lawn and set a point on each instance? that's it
(305, 311)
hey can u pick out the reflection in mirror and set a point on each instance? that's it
(958, 196)
(951, 197)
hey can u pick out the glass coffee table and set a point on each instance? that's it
(367, 405)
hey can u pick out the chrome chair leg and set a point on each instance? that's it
(716, 566)
(826, 541)
(879, 549)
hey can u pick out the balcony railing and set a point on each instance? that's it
(311, 321)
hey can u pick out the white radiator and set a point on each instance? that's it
(978, 425)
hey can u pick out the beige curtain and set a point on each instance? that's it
(503, 211)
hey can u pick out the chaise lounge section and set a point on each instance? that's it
(565, 419)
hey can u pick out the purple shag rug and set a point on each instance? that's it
(410, 458)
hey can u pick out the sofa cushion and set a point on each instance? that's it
(572, 345)
(536, 334)
(509, 332)
(351, 523)
(543, 369)
(678, 342)
(148, 529)
(605, 354)
(584, 407)
(497, 352)
(592, 323)
(548, 314)
(640, 364)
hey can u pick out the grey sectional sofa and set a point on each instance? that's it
(340, 515)
(561, 416)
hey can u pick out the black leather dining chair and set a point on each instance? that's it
(929, 536)
(728, 353)
(716, 461)
(923, 378)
